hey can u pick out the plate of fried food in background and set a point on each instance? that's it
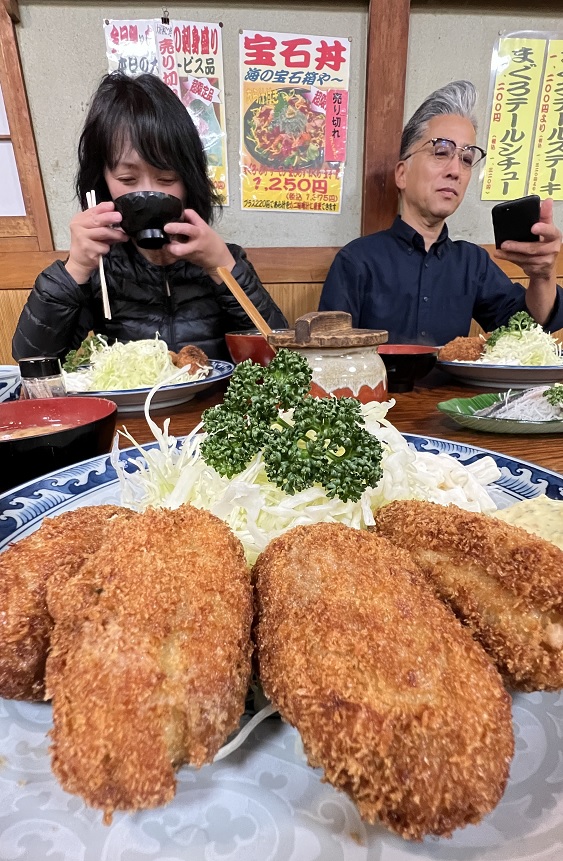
(518, 356)
(264, 801)
(133, 400)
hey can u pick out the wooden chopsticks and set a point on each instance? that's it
(244, 301)
(91, 201)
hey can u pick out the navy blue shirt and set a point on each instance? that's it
(389, 281)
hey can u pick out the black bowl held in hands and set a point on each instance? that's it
(406, 363)
(144, 214)
(40, 435)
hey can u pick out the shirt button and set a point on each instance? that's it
(423, 333)
(425, 298)
(426, 265)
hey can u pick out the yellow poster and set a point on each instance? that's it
(294, 119)
(519, 66)
(546, 174)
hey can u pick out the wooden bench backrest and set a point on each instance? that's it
(293, 276)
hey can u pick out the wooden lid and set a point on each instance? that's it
(326, 329)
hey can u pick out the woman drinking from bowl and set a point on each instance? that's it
(138, 137)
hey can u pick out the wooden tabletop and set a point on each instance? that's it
(414, 412)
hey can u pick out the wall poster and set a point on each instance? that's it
(187, 56)
(294, 120)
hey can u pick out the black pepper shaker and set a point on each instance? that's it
(42, 377)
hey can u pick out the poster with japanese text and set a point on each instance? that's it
(546, 172)
(518, 65)
(294, 121)
(188, 57)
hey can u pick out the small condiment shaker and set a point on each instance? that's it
(42, 377)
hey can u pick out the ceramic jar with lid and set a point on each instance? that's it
(344, 361)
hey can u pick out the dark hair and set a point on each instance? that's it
(456, 98)
(145, 113)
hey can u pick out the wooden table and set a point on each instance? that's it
(414, 412)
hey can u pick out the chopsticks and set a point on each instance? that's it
(244, 301)
(91, 201)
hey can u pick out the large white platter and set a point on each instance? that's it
(263, 803)
(133, 400)
(503, 376)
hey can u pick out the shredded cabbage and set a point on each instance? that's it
(136, 365)
(257, 510)
(532, 346)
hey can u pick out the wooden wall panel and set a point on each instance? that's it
(11, 304)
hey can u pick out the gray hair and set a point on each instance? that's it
(457, 98)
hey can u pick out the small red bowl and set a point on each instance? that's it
(250, 345)
(406, 363)
(40, 435)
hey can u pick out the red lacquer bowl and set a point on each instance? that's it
(63, 431)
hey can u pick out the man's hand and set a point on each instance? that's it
(194, 240)
(92, 233)
(537, 259)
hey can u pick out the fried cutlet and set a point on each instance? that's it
(505, 584)
(56, 549)
(462, 350)
(150, 657)
(191, 358)
(391, 696)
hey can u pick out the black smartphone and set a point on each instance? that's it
(513, 219)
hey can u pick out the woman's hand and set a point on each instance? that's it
(194, 240)
(92, 233)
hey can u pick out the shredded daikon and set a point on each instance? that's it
(530, 405)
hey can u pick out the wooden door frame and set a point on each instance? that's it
(32, 231)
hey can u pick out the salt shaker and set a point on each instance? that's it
(42, 377)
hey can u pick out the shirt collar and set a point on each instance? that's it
(413, 239)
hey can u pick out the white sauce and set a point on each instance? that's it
(541, 516)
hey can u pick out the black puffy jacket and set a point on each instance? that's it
(179, 301)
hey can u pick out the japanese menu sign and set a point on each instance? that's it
(188, 57)
(525, 145)
(294, 119)
(546, 172)
(511, 132)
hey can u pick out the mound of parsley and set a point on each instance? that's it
(304, 441)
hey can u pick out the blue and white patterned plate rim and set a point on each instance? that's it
(220, 370)
(22, 506)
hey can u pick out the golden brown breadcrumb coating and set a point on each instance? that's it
(505, 584)
(462, 350)
(191, 358)
(391, 696)
(56, 549)
(150, 657)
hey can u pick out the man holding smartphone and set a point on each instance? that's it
(412, 279)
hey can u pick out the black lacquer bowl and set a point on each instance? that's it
(144, 214)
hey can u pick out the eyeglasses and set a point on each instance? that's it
(444, 150)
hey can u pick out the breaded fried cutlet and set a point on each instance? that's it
(391, 696)
(56, 549)
(505, 584)
(150, 658)
(462, 349)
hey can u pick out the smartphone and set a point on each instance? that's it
(513, 219)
